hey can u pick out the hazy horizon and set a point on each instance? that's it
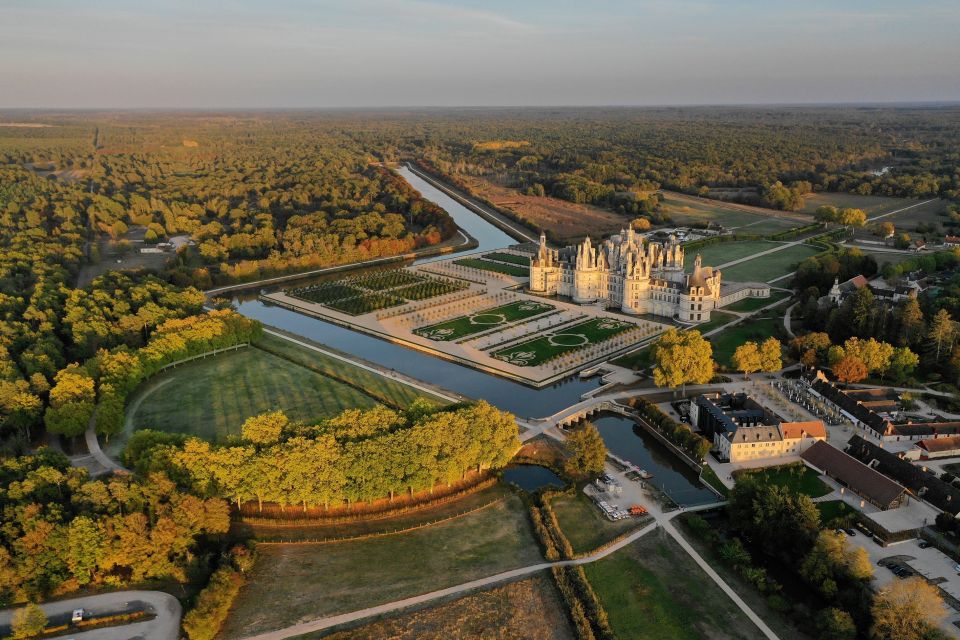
(406, 54)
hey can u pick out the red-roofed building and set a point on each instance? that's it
(939, 447)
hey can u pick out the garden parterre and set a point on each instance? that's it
(483, 320)
(550, 345)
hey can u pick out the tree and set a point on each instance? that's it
(826, 213)
(873, 354)
(71, 403)
(640, 224)
(265, 428)
(747, 358)
(852, 217)
(589, 453)
(84, 549)
(885, 229)
(902, 363)
(943, 332)
(906, 610)
(771, 355)
(911, 327)
(681, 358)
(28, 622)
(835, 624)
(850, 369)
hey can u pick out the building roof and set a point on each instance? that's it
(867, 482)
(809, 429)
(940, 444)
(762, 433)
(921, 483)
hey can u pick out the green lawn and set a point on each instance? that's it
(756, 329)
(639, 359)
(685, 212)
(872, 205)
(512, 258)
(583, 524)
(715, 255)
(752, 304)
(483, 320)
(832, 510)
(797, 477)
(766, 268)
(709, 476)
(653, 590)
(300, 582)
(717, 319)
(487, 265)
(554, 343)
(211, 398)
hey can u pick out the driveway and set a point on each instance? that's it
(165, 626)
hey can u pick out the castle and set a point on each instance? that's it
(628, 273)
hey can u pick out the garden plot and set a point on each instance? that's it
(497, 267)
(549, 346)
(375, 291)
(512, 258)
(483, 320)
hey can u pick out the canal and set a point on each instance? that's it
(671, 475)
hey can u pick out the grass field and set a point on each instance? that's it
(715, 255)
(483, 320)
(717, 319)
(756, 329)
(211, 398)
(768, 267)
(692, 211)
(652, 590)
(584, 526)
(872, 205)
(530, 609)
(798, 478)
(292, 583)
(550, 345)
(488, 265)
(512, 258)
(752, 304)
(832, 510)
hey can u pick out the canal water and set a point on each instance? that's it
(527, 402)
(532, 477)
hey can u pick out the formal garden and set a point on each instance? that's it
(551, 345)
(374, 291)
(512, 258)
(483, 320)
(496, 267)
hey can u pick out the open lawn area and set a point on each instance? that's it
(832, 510)
(797, 477)
(483, 320)
(530, 609)
(688, 211)
(752, 304)
(550, 345)
(717, 319)
(639, 359)
(652, 590)
(766, 268)
(512, 258)
(872, 205)
(498, 267)
(720, 253)
(583, 524)
(757, 329)
(211, 398)
(298, 582)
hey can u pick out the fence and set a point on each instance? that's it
(203, 355)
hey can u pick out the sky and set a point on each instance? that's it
(383, 53)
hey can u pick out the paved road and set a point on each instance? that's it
(890, 213)
(786, 319)
(166, 625)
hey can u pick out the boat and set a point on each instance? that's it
(643, 473)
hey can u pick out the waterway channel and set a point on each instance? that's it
(512, 396)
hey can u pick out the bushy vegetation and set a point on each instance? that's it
(209, 612)
(355, 456)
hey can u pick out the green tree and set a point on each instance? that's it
(588, 451)
(264, 429)
(681, 358)
(84, 549)
(902, 364)
(835, 624)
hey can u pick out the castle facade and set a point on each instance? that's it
(630, 274)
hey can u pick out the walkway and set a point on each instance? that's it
(890, 213)
(785, 245)
(165, 626)
(93, 446)
(786, 319)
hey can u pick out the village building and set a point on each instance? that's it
(636, 276)
(850, 473)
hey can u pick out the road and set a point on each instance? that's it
(890, 213)
(165, 626)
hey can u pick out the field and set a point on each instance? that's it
(687, 210)
(652, 590)
(508, 257)
(752, 304)
(583, 524)
(715, 255)
(872, 205)
(566, 220)
(796, 477)
(552, 344)
(768, 267)
(483, 320)
(529, 609)
(292, 583)
(756, 329)
(212, 397)
(832, 510)
(717, 319)
(488, 265)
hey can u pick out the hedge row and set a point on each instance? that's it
(694, 445)
(210, 610)
(587, 613)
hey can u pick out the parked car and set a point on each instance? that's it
(956, 568)
(77, 616)
(850, 531)
(923, 544)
